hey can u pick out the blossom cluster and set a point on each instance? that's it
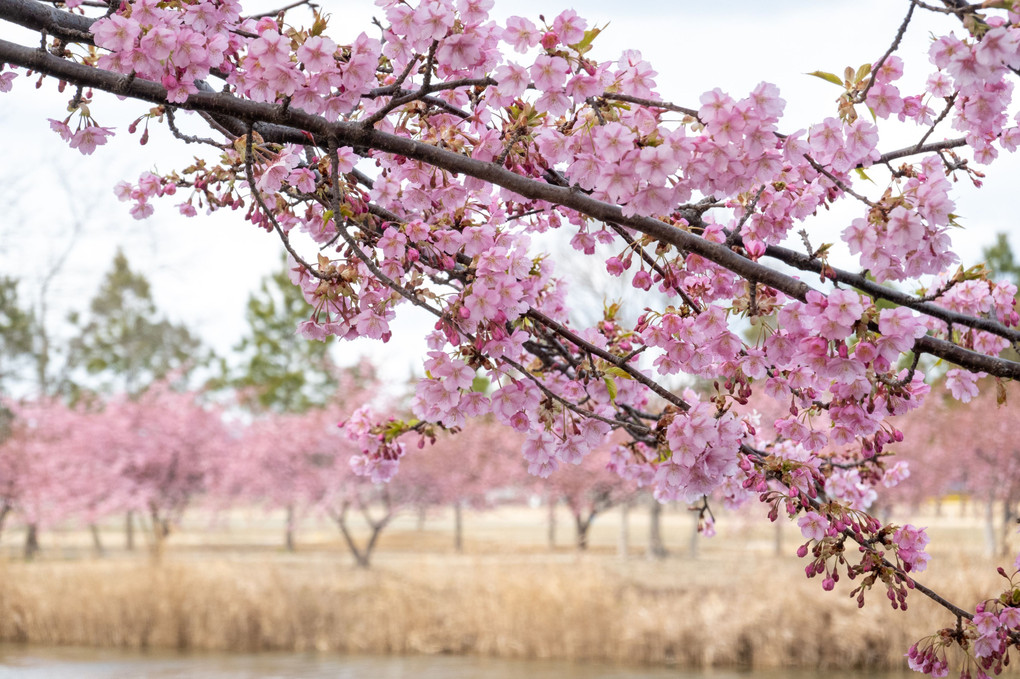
(508, 131)
(834, 346)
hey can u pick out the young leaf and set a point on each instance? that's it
(610, 386)
(829, 77)
(585, 44)
(863, 72)
(618, 372)
(863, 175)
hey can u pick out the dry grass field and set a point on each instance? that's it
(225, 583)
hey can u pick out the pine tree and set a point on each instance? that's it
(125, 345)
(17, 327)
(280, 370)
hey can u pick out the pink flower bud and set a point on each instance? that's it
(266, 24)
(550, 40)
(754, 248)
(614, 266)
(642, 280)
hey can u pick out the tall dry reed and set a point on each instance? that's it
(736, 612)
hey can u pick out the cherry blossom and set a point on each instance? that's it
(429, 167)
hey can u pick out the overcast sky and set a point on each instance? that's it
(203, 269)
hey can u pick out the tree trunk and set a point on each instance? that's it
(551, 522)
(288, 536)
(458, 527)
(160, 533)
(991, 544)
(692, 548)
(129, 530)
(582, 526)
(97, 542)
(363, 556)
(146, 530)
(31, 541)
(421, 518)
(623, 546)
(1008, 526)
(656, 548)
(5, 509)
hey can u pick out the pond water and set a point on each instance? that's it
(33, 662)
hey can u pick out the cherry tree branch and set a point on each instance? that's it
(275, 12)
(950, 100)
(651, 103)
(888, 53)
(837, 181)
(297, 123)
(878, 291)
(923, 148)
(38, 17)
(613, 359)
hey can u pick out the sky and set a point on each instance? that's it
(59, 205)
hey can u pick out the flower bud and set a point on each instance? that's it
(550, 40)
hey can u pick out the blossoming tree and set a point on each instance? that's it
(278, 463)
(37, 478)
(164, 448)
(422, 159)
(473, 468)
(976, 459)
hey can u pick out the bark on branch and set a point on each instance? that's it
(289, 125)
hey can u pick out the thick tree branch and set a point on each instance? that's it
(38, 17)
(295, 126)
(878, 291)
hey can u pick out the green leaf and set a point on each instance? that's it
(610, 386)
(863, 71)
(863, 175)
(585, 44)
(396, 428)
(618, 372)
(828, 77)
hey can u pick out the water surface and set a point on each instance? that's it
(35, 662)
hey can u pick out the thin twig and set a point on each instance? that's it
(916, 149)
(837, 181)
(613, 359)
(334, 174)
(650, 261)
(731, 238)
(187, 138)
(651, 103)
(569, 405)
(949, 107)
(274, 12)
(892, 48)
(250, 175)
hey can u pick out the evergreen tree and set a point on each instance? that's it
(1001, 260)
(17, 328)
(124, 343)
(281, 370)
